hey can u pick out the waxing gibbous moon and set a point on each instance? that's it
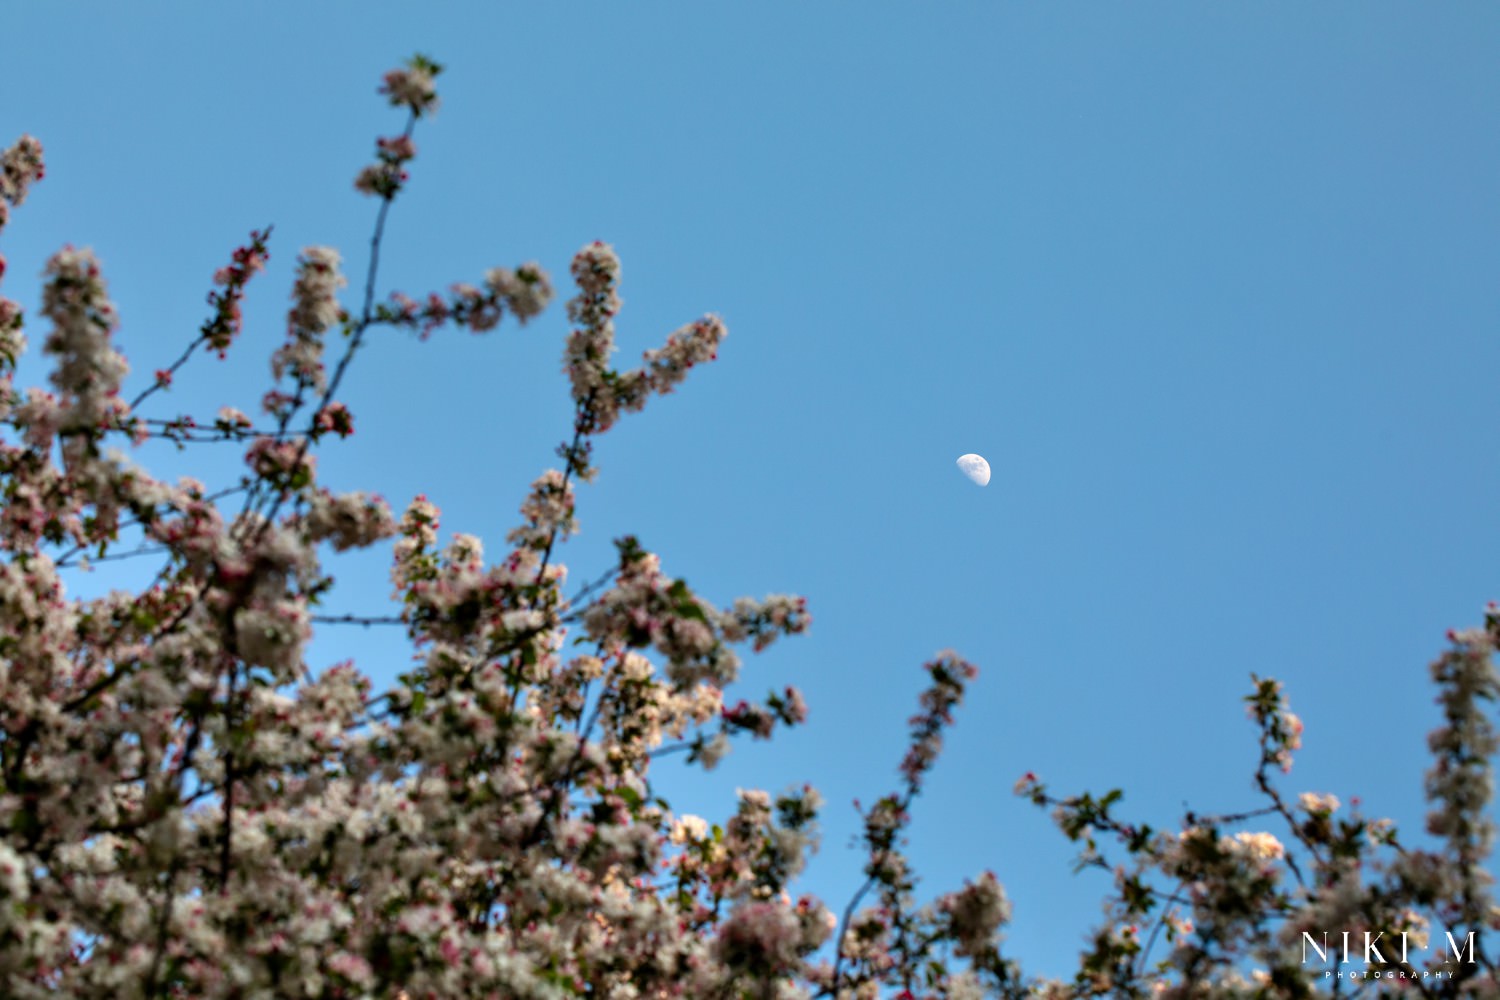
(976, 468)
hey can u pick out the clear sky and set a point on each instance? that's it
(1212, 286)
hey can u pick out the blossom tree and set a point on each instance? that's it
(187, 810)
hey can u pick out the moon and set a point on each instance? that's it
(976, 468)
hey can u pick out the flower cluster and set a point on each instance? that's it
(525, 292)
(247, 261)
(668, 365)
(20, 166)
(1281, 728)
(413, 86)
(1461, 781)
(764, 620)
(384, 177)
(1318, 805)
(949, 675)
(596, 269)
(348, 520)
(285, 464)
(975, 914)
(335, 419)
(89, 370)
(547, 513)
(315, 308)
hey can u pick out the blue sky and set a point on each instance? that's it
(1211, 286)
